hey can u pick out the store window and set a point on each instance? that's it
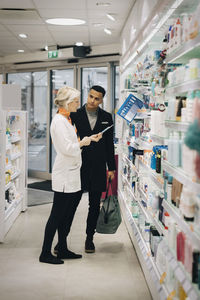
(93, 76)
(59, 78)
(34, 100)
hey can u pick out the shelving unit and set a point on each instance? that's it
(177, 126)
(9, 211)
(182, 177)
(183, 54)
(183, 87)
(188, 50)
(152, 274)
(175, 213)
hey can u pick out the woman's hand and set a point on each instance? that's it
(96, 137)
(85, 141)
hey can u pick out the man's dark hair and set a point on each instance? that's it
(99, 89)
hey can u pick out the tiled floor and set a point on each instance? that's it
(112, 273)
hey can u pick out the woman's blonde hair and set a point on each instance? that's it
(67, 94)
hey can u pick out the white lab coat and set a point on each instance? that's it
(66, 168)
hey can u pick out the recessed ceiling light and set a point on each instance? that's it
(103, 3)
(79, 43)
(23, 35)
(110, 17)
(108, 31)
(62, 21)
(97, 24)
(20, 50)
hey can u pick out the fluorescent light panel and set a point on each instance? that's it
(64, 21)
(107, 31)
(110, 17)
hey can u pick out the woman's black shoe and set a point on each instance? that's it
(68, 255)
(50, 259)
(89, 246)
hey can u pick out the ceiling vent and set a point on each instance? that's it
(16, 14)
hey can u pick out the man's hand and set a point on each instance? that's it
(111, 175)
(96, 137)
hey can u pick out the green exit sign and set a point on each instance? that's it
(53, 54)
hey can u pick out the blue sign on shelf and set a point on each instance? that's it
(129, 108)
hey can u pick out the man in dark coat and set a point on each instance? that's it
(96, 158)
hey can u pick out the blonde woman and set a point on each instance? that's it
(66, 182)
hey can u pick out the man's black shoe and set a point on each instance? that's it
(89, 246)
(68, 255)
(50, 259)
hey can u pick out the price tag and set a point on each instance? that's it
(192, 295)
(187, 286)
(179, 274)
(162, 278)
(149, 253)
(171, 295)
(191, 227)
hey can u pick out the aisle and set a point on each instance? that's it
(111, 273)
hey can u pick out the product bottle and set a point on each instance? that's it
(180, 240)
(187, 205)
(195, 271)
(170, 148)
(169, 188)
(176, 149)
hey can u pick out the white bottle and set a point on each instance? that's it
(170, 148)
(175, 149)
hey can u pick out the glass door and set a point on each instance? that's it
(93, 76)
(34, 89)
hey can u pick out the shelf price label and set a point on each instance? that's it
(171, 295)
(162, 278)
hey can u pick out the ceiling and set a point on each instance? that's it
(31, 20)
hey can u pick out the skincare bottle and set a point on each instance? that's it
(180, 241)
(176, 149)
(169, 188)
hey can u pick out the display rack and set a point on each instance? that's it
(184, 87)
(152, 274)
(182, 177)
(177, 126)
(139, 198)
(188, 50)
(14, 163)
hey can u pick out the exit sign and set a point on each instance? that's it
(53, 54)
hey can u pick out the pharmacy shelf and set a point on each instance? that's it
(15, 175)
(12, 207)
(180, 273)
(126, 159)
(182, 177)
(15, 139)
(158, 139)
(183, 87)
(184, 53)
(15, 156)
(155, 177)
(152, 218)
(151, 272)
(184, 226)
(177, 126)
